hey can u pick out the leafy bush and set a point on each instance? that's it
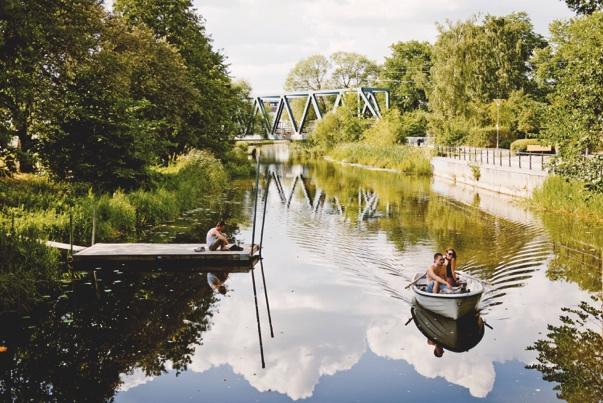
(385, 131)
(451, 132)
(414, 124)
(587, 169)
(340, 126)
(522, 145)
(27, 268)
(486, 137)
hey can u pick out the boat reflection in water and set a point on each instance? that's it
(448, 334)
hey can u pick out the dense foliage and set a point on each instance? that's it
(571, 67)
(100, 97)
(476, 66)
(406, 73)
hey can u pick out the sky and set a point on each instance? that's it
(263, 39)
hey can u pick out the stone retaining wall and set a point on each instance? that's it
(510, 181)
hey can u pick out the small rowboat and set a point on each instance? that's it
(450, 305)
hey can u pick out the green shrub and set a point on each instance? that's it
(451, 132)
(340, 126)
(521, 145)
(588, 170)
(386, 131)
(486, 137)
(414, 124)
(27, 268)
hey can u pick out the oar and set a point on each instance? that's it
(476, 279)
(415, 280)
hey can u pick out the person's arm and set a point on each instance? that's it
(453, 267)
(431, 273)
(221, 236)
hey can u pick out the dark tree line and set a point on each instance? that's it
(98, 97)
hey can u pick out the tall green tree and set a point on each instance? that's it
(476, 63)
(406, 74)
(311, 73)
(100, 132)
(39, 39)
(571, 67)
(210, 123)
(352, 70)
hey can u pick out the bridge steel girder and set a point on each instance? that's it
(366, 99)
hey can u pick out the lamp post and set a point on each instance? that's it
(497, 101)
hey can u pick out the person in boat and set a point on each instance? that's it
(216, 282)
(216, 239)
(436, 275)
(451, 278)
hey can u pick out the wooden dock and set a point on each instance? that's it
(148, 256)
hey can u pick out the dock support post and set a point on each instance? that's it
(257, 317)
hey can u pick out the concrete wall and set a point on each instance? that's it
(511, 181)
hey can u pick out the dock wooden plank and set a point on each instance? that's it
(64, 246)
(165, 255)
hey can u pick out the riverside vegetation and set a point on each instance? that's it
(537, 90)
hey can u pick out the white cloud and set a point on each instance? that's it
(263, 39)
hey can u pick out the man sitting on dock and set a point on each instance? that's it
(436, 275)
(216, 239)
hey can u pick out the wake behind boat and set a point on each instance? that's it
(450, 305)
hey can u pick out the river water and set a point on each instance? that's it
(339, 246)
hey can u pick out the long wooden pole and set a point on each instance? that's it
(266, 296)
(255, 203)
(264, 212)
(257, 317)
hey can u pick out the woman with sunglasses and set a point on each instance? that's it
(451, 267)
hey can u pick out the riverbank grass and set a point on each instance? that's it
(406, 159)
(571, 198)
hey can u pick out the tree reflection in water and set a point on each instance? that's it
(571, 355)
(74, 348)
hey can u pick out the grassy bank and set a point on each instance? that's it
(409, 160)
(34, 207)
(570, 198)
(35, 203)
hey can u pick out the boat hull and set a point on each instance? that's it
(451, 306)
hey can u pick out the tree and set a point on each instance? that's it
(473, 64)
(352, 70)
(210, 123)
(585, 6)
(38, 40)
(406, 74)
(98, 132)
(310, 73)
(571, 68)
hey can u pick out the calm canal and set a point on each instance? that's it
(338, 252)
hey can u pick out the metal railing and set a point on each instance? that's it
(497, 157)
